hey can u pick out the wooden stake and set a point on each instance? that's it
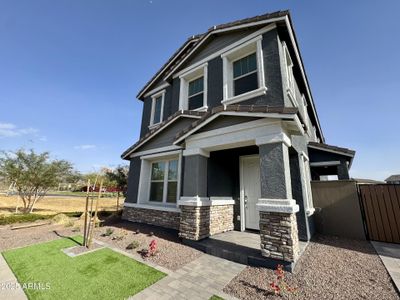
(117, 201)
(91, 214)
(86, 213)
(95, 213)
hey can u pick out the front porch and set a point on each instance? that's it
(241, 247)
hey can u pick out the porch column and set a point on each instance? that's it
(343, 170)
(278, 225)
(194, 204)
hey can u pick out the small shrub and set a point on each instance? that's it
(109, 231)
(151, 233)
(280, 286)
(137, 231)
(133, 245)
(152, 248)
(118, 238)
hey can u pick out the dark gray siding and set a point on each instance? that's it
(133, 180)
(225, 121)
(218, 42)
(272, 69)
(167, 136)
(214, 82)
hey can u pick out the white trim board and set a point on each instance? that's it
(329, 150)
(240, 126)
(156, 150)
(325, 163)
(152, 206)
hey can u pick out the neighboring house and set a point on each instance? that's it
(394, 179)
(230, 139)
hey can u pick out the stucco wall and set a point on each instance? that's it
(337, 208)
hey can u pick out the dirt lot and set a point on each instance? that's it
(330, 268)
(56, 204)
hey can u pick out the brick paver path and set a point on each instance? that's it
(199, 279)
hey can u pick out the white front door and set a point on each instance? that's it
(250, 190)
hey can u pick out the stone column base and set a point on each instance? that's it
(202, 217)
(279, 236)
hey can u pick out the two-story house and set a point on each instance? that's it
(230, 139)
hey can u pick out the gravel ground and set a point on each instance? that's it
(171, 253)
(10, 239)
(330, 268)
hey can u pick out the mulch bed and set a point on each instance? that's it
(10, 239)
(171, 253)
(330, 268)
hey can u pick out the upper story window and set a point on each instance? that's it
(196, 93)
(243, 72)
(193, 89)
(157, 107)
(289, 71)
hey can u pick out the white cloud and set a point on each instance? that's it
(11, 130)
(85, 147)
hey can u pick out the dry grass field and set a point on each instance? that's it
(55, 204)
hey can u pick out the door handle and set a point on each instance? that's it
(245, 201)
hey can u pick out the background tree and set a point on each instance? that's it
(34, 174)
(120, 177)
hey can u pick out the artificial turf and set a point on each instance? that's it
(102, 274)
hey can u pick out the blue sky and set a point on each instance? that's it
(70, 71)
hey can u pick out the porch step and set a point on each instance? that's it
(237, 253)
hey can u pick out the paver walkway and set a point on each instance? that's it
(390, 256)
(199, 279)
(8, 282)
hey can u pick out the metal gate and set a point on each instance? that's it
(381, 209)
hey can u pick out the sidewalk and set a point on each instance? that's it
(390, 256)
(7, 278)
(200, 279)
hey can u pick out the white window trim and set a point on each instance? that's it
(153, 102)
(306, 176)
(145, 178)
(289, 74)
(231, 56)
(200, 71)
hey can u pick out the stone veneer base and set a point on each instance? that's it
(167, 219)
(279, 236)
(199, 222)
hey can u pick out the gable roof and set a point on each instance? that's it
(393, 178)
(152, 133)
(334, 149)
(193, 42)
(255, 110)
(203, 117)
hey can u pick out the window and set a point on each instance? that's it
(196, 93)
(193, 89)
(289, 69)
(157, 107)
(245, 74)
(164, 181)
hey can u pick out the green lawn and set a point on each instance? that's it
(102, 274)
